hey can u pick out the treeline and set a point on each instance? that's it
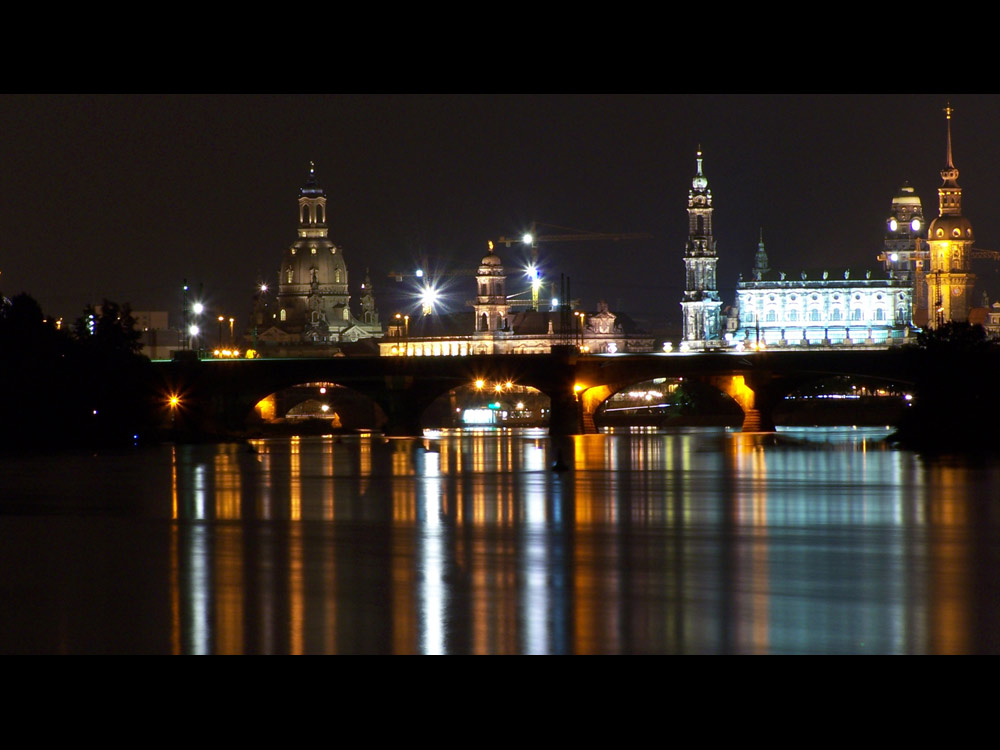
(85, 384)
(956, 406)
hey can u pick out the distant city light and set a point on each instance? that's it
(198, 308)
(420, 273)
(527, 239)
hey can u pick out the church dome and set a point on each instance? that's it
(490, 259)
(907, 196)
(321, 256)
(950, 227)
(490, 265)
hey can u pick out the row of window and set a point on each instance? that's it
(312, 275)
(771, 316)
(283, 315)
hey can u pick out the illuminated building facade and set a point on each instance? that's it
(826, 307)
(701, 304)
(312, 311)
(949, 238)
(492, 328)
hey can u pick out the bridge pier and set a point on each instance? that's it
(754, 397)
(565, 414)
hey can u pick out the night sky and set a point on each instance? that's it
(123, 197)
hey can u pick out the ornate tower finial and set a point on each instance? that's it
(947, 115)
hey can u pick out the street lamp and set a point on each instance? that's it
(222, 319)
(232, 338)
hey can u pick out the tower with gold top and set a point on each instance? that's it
(949, 239)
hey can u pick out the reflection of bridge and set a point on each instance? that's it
(221, 394)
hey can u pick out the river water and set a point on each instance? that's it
(811, 540)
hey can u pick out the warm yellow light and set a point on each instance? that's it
(508, 385)
(480, 384)
(174, 401)
(577, 388)
(498, 388)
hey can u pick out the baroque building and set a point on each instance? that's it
(312, 314)
(701, 304)
(494, 328)
(949, 238)
(830, 307)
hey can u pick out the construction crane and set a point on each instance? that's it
(532, 238)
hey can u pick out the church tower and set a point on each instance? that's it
(491, 298)
(949, 239)
(904, 252)
(701, 303)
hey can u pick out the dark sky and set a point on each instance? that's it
(125, 196)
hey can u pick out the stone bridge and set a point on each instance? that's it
(221, 394)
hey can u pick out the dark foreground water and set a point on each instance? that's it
(817, 540)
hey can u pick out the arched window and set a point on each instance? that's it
(484, 323)
(701, 224)
(879, 313)
(856, 314)
(336, 276)
(289, 274)
(284, 315)
(814, 314)
(771, 316)
(793, 315)
(835, 314)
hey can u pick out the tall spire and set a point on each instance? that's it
(760, 262)
(947, 114)
(949, 194)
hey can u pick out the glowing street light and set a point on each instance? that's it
(428, 299)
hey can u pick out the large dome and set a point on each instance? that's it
(320, 255)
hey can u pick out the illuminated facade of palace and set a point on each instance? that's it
(311, 315)
(826, 307)
(494, 328)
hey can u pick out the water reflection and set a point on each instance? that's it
(697, 541)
